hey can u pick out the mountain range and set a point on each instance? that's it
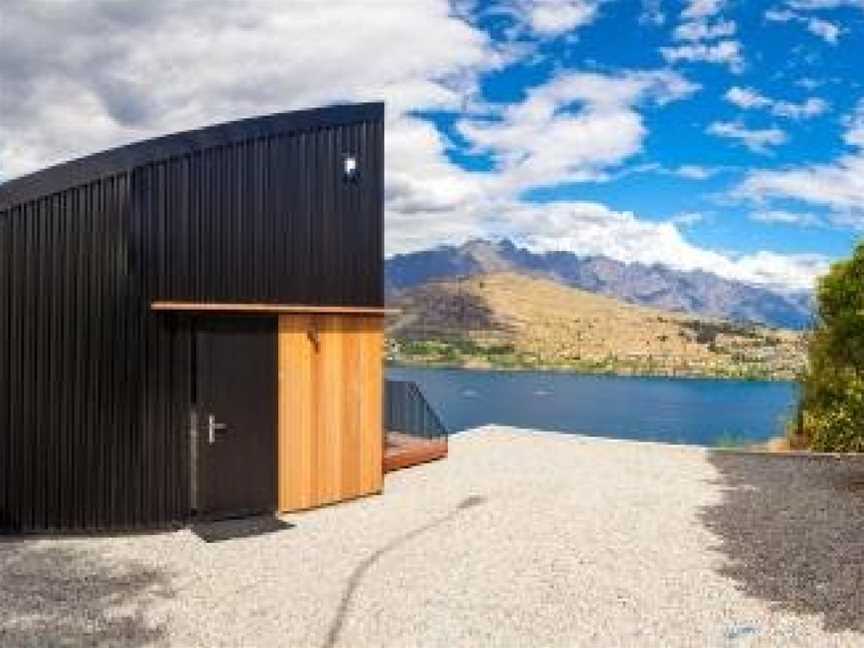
(657, 286)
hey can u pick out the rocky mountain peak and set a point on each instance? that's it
(657, 286)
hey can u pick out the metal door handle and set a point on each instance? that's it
(212, 426)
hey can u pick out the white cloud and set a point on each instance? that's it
(688, 171)
(592, 229)
(838, 185)
(701, 30)
(780, 15)
(809, 83)
(695, 172)
(827, 31)
(796, 271)
(587, 228)
(784, 217)
(419, 176)
(702, 8)
(810, 107)
(748, 99)
(757, 140)
(824, 29)
(130, 70)
(572, 128)
(552, 17)
(724, 52)
(854, 135)
(687, 219)
(806, 5)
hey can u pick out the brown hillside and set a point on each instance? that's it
(538, 322)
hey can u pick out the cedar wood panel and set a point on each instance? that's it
(330, 408)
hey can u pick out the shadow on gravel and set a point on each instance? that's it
(52, 595)
(363, 568)
(792, 532)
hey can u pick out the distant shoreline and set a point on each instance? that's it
(407, 364)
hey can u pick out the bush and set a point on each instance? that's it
(832, 396)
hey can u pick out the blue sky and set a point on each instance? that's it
(781, 60)
(720, 135)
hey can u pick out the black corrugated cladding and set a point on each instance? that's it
(94, 386)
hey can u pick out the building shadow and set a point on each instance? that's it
(55, 594)
(791, 530)
(237, 528)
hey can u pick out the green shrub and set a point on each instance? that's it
(832, 394)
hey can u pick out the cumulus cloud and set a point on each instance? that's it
(854, 135)
(589, 228)
(687, 219)
(700, 30)
(706, 36)
(127, 71)
(702, 8)
(572, 128)
(695, 171)
(838, 185)
(824, 29)
(552, 17)
(757, 140)
(805, 5)
(784, 217)
(748, 99)
(558, 16)
(724, 52)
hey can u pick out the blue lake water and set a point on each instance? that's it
(675, 410)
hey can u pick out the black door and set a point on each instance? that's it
(236, 406)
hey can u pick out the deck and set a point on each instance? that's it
(403, 450)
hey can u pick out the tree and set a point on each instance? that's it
(832, 399)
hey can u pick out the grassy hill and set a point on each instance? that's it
(510, 320)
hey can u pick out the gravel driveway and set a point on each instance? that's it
(519, 538)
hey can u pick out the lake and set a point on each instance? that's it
(675, 410)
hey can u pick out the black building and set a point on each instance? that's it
(170, 309)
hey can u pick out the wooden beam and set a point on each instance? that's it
(215, 307)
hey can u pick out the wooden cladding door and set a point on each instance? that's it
(330, 402)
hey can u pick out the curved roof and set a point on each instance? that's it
(124, 158)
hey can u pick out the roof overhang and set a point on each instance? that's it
(267, 309)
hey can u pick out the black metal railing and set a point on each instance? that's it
(406, 410)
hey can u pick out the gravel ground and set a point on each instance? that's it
(519, 538)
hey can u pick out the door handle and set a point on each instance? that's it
(212, 427)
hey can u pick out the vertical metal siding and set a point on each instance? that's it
(89, 412)
(5, 344)
(266, 220)
(94, 387)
